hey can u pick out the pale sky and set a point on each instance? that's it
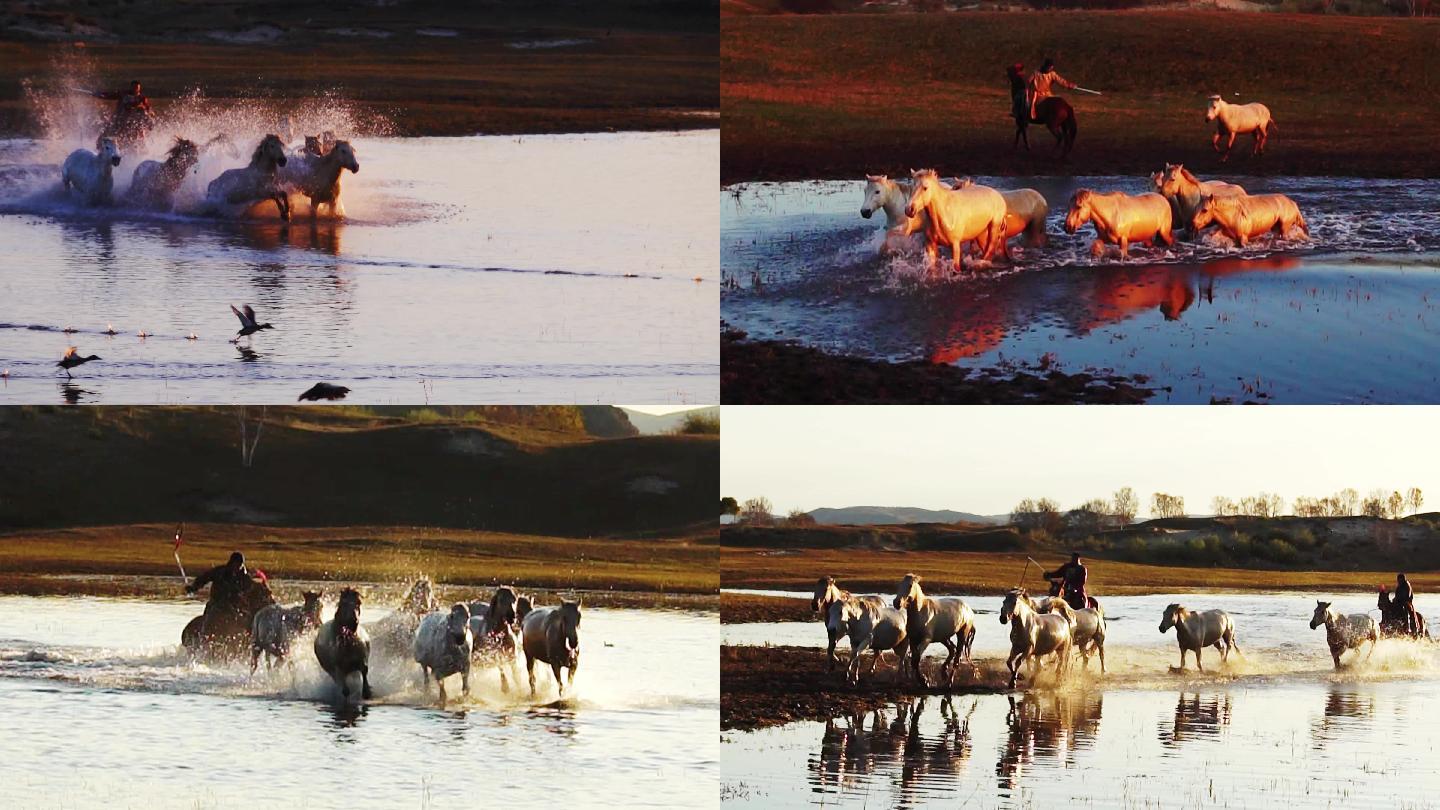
(661, 410)
(984, 459)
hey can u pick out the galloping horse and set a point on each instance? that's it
(155, 183)
(242, 188)
(223, 631)
(318, 177)
(871, 627)
(1089, 631)
(1056, 115)
(92, 173)
(826, 593)
(891, 196)
(495, 626)
(1121, 219)
(1034, 635)
(275, 627)
(929, 620)
(442, 648)
(552, 635)
(343, 647)
(1238, 119)
(1195, 631)
(1186, 192)
(1345, 632)
(957, 216)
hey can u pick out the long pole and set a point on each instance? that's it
(1091, 92)
(179, 538)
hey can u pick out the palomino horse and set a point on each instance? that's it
(1185, 192)
(929, 620)
(891, 196)
(91, 174)
(1025, 212)
(957, 216)
(1121, 219)
(442, 648)
(1034, 635)
(1195, 631)
(1089, 631)
(1246, 217)
(1238, 119)
(495, 627)
(256, 183)
(343, 647)
(870, 627)
(552, 635)
(275, 627)
(318, 177)
(1345, 632)
(1056, 115)
(827, 593)
(155, 183)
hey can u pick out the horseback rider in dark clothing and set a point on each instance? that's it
(132, 112)
(1072, 577)
(1404, 600)
(229, 587)
(1019, 98)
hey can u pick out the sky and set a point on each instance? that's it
(985, 459)
(661, 410)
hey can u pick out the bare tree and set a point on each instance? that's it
(1349, 502)
(1414, 499)
(1223, 506)
(1395, 505)
(1374, 504)
(1048, 512)
(757, 512)
(1167, 506)
(798, 517)
(1125, 506)
(1024, 516)
(249, 442)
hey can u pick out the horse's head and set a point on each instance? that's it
(270, 151)
(1322, 614)
(502, 609)
(108, 150)
(908, 593)
(1216, 105)
(311, 608)
(876, 188)
(569, 613)
(1079, 210)
(183, 155)
(421, 598)
(312, 146)
(927, 184)
(1205, 214)
(823, 588)
(1174, 613)
(523, 606)
(347, 613)
(1012, 600)
(345, 153)
(836, 620)
(457, 624)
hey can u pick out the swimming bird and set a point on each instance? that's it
(248, 326)
(321, 390)
(69, 330)
(5, 375)
(110, 329)
(142, 334)
(192, 336)
(73, 359)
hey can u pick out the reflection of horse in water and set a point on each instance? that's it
(1197, 717)
(223, 630)
(1342, 707)
(1051, 726)
(853, 750)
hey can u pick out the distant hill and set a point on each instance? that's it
(650, 424)
(891, 515)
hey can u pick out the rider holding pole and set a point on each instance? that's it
(1072, 576)
(1041, 82)
(127, 102)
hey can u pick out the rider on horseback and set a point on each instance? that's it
(1404, 600)
(228, 584)
(1071, 577)
(132, 109)
(1042, 80)
(1019, 104)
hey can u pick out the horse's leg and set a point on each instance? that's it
(947, 670)
(917, 652)
(1215, 139)
(465, 680)
(852, 671)
(1229, 144)
(365, 692)
(1335, 654)
(440, 682)
(530, 668)
(559, 684)
(830, 650)
(254, 660)
(1124, 248)
(1199, 665)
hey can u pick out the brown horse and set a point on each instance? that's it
(1056, 115)
(223, 630)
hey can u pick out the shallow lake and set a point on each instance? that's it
(1276, 726)
(1348, 317)
(101, 710)
(545, 269)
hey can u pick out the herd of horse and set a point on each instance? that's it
(1046, 628)
(958, 213)
(273, 174)
(484, 634)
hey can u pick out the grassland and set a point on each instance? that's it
(423, 68)
(834, 96)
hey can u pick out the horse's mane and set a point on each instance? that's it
(260, 149)
(182, 146)
(1185, 173)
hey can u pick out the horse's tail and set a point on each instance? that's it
(1095, 606)
(1274, 125)
(1035, 228)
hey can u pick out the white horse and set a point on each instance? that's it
(318, 176)
(275, 627)
(870, 627)
(1345, 632)
(155, 183)
(495, 627)
(1195, 631)
(1238, 119)
(239, 189)
(1088, 635)
(442, 647)
(891, 196)
(1034, 635)
(1025, 213)
(551, 635)
(396, 632)
(929, 620)
(1185, 192)
(826, 594)
(91, 174)
(957, 216)
(343, 647)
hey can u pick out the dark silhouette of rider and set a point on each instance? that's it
(127, 102)
(1073, 576)
(228, 583)
(1404, 599)
(1019, 105)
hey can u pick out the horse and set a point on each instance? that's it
(91, 174)
(552, 635)
(273, 628)
(1034, 635)
(1238, 119)
(396, 632)
(494, 627)
(223, 631)
(256, 182)
(1244, 218)
(1394, 620)
(1089, 631)
(155, 183)
(1345, 632)
(1025, 213)
(928, 620)
(1195, 631)
(1056, 115)
(318, 176)
(343, 647)
(957, 216)
(442, 646)
(891, 196)
(1120, 218)
(1185, 192)
(870, 627)
(827, 592)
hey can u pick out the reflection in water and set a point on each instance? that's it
(1345, 709)
(1196, 717)
(342, 716)
(852, 751)
(247, 354)
(73, 394)
(1046, 728)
